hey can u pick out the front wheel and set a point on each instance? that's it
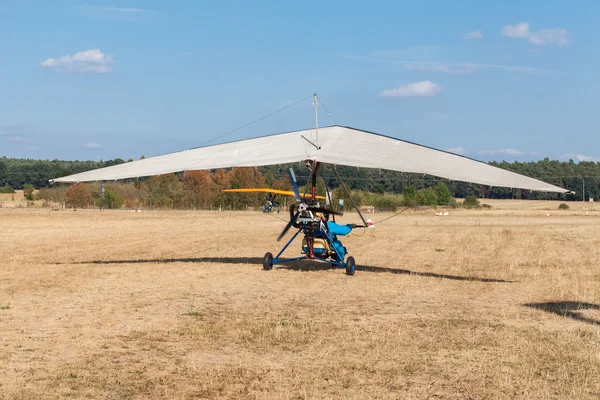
(268, 262)
(350, 264)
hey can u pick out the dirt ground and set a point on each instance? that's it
(492, 304)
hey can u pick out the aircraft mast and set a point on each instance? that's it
(316, 118)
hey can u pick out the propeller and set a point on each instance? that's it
(289, 225)
(295, 186)
(301, 207)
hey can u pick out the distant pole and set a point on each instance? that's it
(316, 118)
(583, 192)
(102, 196)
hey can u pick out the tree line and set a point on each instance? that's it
(202, 189)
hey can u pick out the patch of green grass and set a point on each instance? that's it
(4, 307)
(439, 250)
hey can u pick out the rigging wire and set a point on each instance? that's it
(255, 121)
(327, 111)
(395, 215)
(356, 112)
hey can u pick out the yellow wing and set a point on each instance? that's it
(267, 190)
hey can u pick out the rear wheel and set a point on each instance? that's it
(268, 262)
(350, 264)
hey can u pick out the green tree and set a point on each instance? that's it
(444, 197)
(471, 201)
(386, 202)
(340, 193)
(410, 196)
(427, 197)
(28, 190)
(379, 188)
(113, 199)
(321, 188)
(163, 191)
(3, 173)
(269, 179)
(410, 192)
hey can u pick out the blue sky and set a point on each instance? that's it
(492, 80)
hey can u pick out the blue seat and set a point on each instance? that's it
(337, 229)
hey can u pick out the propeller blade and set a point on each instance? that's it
(324, 210)
(295, 186)
(288, 226)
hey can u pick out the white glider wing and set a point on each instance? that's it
(336, 145)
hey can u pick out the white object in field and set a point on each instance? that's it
(441, 214)
(338, 145)
(371, 227)
(368, 209)
(341, 202)
(547, 215)
(591, 200)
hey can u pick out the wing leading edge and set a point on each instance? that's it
(337, 145)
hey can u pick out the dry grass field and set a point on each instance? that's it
(495, 304)
(12, 199)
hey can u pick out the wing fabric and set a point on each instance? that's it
(338, 145)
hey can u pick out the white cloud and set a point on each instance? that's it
(556, 36)
(93, 60)
(93, 145)
(507, 152)
(516, 31)
(510, 68)
(473, 35)
(420, 64)
(458, 150)
(453, 68)
(578, 156)
(17, 139)
(418, 89)
(582, 157)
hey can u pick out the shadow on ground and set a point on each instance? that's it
(297, 266)
(569, 309)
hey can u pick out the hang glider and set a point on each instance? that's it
(337, 145)
(272, 191)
